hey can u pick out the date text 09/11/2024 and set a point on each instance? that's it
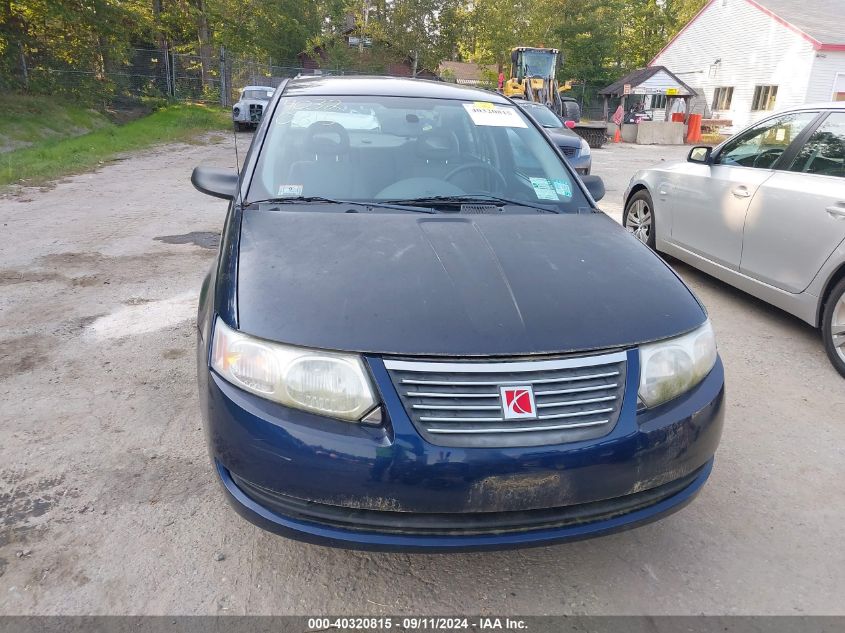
(416, 624)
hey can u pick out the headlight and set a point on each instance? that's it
(328, 383)
(671, 367)
(585, 148)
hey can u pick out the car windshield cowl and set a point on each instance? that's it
(294, 200)
(473, 199)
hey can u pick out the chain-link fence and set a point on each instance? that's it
(143, 73)
(214, 77)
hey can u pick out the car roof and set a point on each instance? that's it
(387, 87)
(821, 105)
(829, 105)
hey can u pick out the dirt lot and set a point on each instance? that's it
(108, 504)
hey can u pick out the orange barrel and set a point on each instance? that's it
(694, 128)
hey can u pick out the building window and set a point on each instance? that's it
(722, 98)
(658, 102)
(764, 98)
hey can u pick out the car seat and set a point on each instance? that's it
(326, 168)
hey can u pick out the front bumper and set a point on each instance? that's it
(354, 486)
(582, 164)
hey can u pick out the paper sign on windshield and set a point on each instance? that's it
(483, 113)
(543, 189)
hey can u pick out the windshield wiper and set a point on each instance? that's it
(470, 198)
(356, 203)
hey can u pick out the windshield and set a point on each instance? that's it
(543, 115)
(538, 63)
(262, 95)
(371, 148)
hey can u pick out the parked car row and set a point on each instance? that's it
(764, 211)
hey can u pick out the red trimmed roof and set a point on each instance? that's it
(818, 21)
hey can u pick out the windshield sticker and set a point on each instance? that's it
(483, 113)
(290, 191)
(543, 189)
(563, 188)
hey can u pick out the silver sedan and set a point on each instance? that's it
(764, 211)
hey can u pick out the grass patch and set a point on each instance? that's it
(53, 158)
(29, 119)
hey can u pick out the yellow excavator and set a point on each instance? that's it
(533, 77)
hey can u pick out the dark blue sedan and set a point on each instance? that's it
(575, 148)
(413, 339)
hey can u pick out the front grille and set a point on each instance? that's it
(255, 112)
(569, 151)
(460, 403)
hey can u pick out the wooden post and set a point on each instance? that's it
(224, 97)
(24, 68)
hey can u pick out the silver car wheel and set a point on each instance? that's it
(837, 327)
(638, 220)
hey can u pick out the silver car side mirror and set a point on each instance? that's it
(700, 154)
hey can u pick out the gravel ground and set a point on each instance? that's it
(108, 504)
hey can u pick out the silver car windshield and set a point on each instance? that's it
(260, 95)
(371, 148)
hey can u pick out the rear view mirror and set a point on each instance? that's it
(700, 154)
(214, 181)
(595, 185)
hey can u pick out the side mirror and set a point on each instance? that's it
(595, 185)
(700, 154)
(214, 181)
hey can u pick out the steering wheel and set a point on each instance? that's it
(767, 158)
(481, 166)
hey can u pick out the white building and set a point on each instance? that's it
(746, 57)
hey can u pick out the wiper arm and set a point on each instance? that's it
(473, 198)
(356, 203)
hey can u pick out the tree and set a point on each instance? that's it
(494, 27)
(425, 30)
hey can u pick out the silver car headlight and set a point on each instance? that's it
(329, 383)
(585, 148)
(671, 367)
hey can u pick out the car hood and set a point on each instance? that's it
(454, 286)
(564, 139)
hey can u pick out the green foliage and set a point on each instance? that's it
(494, 27)
(600, 39)
(426, 31)
(53, 158)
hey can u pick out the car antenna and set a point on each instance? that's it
(238, 198)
